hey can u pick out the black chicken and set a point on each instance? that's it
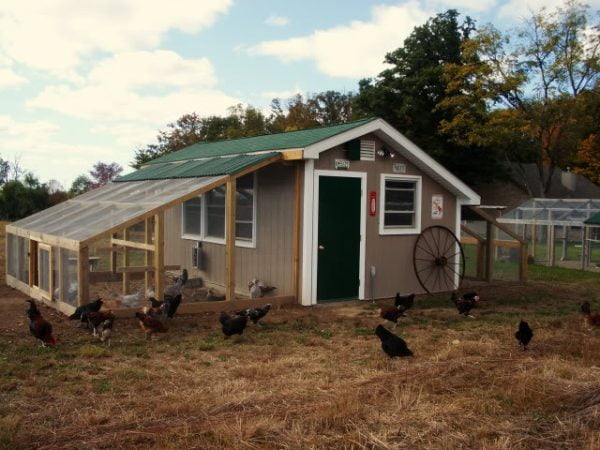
(170, 306)
(81, 311)
(232, 325)
(156, 303)
(97, 318)
(465, 304)
(524, 334)
(391, 344)
(255, 314)
(39, 327)
(404, 302)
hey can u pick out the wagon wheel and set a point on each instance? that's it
(438, 259)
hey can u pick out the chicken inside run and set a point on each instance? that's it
(499, 335)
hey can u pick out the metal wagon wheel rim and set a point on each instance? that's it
(438, 260)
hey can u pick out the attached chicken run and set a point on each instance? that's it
(110, 243)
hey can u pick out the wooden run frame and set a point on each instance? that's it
(485, 259)
(153, 244)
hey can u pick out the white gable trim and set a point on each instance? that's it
(406, 148)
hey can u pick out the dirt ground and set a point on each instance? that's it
(313, 378)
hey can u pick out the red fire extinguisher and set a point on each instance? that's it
(372, 203)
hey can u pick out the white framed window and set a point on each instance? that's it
(203, 217)
(400, 204)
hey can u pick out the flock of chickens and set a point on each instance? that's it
(395, 346)
(153, 317)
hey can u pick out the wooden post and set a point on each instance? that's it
(533, 239)
(230, 239)
(159, 253)
(32, 261)
(584, 244)
(59, 258)
(125, 251)
(550, 245)
(297, 214)
(523, 263)
(489, 250)
(113, 256)
(83, 276)
(147, 255)
(480, 260)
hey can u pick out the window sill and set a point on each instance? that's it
(399, 231)
(238, 243)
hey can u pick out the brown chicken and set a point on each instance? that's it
(392, 313)
(591, 319)
(39, 327)
(150, 325)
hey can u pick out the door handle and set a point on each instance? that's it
(321, 247)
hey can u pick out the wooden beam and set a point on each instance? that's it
(533, 239)
(489, 250)
(489, 218)
(479, 271)
(146, 269)
(257, 166)
(125, 263)
(550, 246)
(230, 211)
(159, 253)
(113, 256)
(32, 261)
(523, 263)
(297, 218)
(132, 244)
(45, 238)
(292, 155)
(147, 254)
(472, 233)
(83, 281)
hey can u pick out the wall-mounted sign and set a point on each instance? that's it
(342, 164)
(372, 203)
(437, 206)
(399, 168)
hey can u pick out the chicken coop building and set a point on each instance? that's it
(346, 211)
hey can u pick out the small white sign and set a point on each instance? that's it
(399, 168)
(342, 164)
(437, 206)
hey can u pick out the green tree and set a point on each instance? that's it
(525, 93)
(408, 92)
(80, 185)
(19, 199)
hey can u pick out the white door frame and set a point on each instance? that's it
(315, 229)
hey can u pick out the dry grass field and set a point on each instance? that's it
(315, 378)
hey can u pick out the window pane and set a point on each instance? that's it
(399, 200)
(191, 216)
(399, 219)
(215, 213)
(396, 184)
(244, 207)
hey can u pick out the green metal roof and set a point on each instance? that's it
(279, 141)
(208, 167)
(593, 220)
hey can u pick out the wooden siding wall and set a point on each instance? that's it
(392, 255)
(272, 259)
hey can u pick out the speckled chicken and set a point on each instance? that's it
(465, 303)
(255, 314)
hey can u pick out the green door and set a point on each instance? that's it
(339, 238)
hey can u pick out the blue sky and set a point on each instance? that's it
(87, 81)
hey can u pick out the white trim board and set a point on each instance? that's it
(406, 148)
(315, 230)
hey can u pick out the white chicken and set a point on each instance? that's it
(258, 288)
(131, 300)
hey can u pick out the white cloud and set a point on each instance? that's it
(282, 94)
(36, 146)
(466, 5)
(9, 79)
(151, 88)
(354, 50)
(54, 36)
(277, 21)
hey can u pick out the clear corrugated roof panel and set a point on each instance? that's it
(94, 212)
(547, 211)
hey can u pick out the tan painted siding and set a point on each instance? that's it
(272, 259)
(392, 255)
